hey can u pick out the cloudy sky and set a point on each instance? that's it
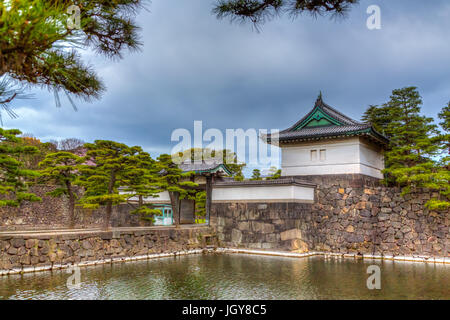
(195, 67)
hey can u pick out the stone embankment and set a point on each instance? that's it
(351, 215)
(27, 252)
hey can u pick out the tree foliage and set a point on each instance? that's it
(260, 11)
(10, 90)
(444, 116)
(225, 156)
(113, 162)
(412, 160)
(379, 117)
(14, 178)
(256, 175)
(200, 204)
(274, 173)
(61, 169)
(173, 180)
(141, 181)
(31, 160)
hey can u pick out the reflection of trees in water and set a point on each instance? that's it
(188, 278)
(32, 285)
(235, 276)
(346, 279)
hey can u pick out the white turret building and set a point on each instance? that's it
(326, 142)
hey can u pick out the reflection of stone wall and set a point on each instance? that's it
(53, 213)
(351, 214)
(40, 250)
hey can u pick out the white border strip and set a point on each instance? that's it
(443, 260)
(101, 261)
(427, 259)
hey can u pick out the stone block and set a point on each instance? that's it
(291, 234)
(17, 242)
(299, 245)
(350, 228)
(236, 236)
(244, 225)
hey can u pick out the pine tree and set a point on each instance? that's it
(40, 47)
(200, 205)
(140, 181)
(239, 177)
(444, 115)
(259, 11)
(274, 173)
(14, 179)
(414, 143)
(31, 161)
(60, 168)
(441, 181)
(256, 174)
(176, 182)
(225, 156)
(113, 162)
(379, 117)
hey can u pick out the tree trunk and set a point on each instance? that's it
(112, 182)
(175, 202)
(71, 204)
(71, 208)
(209, 181)
(108, 215)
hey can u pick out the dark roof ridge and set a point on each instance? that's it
(279, 181)
(353, 121)
(203, 166)
(329, 110)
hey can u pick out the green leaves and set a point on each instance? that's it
(274, 173)
(14, 178)
(413, 160)
(256, 175)
(111, 162)
(118, 173)
(225, 156)
(60, 168)
(38, 47)
(259, 11)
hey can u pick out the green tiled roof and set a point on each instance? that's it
(325, 122)
(204, 167)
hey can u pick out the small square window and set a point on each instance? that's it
(323, 154)
(313, 155)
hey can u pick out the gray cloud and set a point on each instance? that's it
(194, 67)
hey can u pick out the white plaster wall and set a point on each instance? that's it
(372, 159)
(263, 193)
(163, 198)
(343, 156)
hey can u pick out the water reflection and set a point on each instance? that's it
(236, 277)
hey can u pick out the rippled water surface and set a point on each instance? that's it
(233, 276)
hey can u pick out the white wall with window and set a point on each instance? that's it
(338, 156)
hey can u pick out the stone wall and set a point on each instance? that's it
(53, 213)
(351, 214)
(261, 225)
(22, 251)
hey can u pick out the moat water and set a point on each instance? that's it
(236, 276)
